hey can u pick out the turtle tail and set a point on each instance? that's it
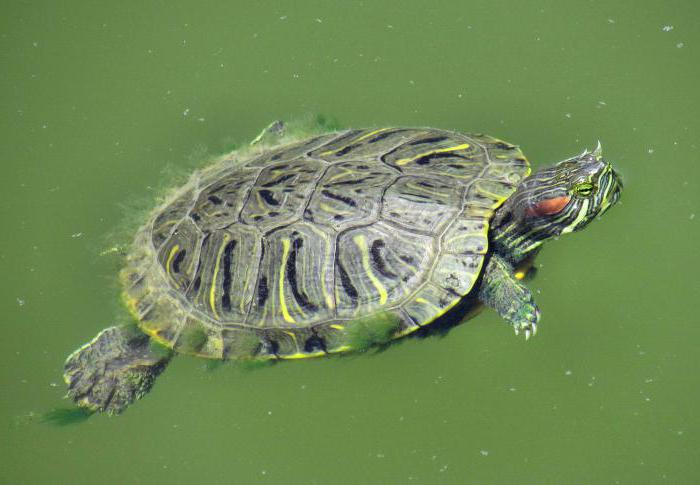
(114, 369)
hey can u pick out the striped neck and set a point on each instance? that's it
(511, 237)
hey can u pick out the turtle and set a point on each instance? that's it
(311, 246)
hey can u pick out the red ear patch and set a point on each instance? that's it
(548, 207)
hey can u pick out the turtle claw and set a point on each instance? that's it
(525, 320)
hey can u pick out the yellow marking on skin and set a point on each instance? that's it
(367, 135)
(173, 251)
(404, 161)
(283, 264)
(361, 243)
(582, 213)
(519, 275)
(212, 290)
(337, 327)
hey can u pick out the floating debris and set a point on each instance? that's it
(118, 249)
(667, 28)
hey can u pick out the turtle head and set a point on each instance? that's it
(556, 200)
(566, 197)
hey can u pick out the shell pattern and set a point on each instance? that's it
(273, 256)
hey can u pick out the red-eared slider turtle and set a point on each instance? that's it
(305, 248)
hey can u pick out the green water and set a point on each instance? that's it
(98, 99)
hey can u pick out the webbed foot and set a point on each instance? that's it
(113, 370)
(501, 290)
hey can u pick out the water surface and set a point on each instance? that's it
(100, 101)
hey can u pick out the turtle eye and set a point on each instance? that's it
(583, 189)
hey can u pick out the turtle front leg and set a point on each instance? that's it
(513, 301)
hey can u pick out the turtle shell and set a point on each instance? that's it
(276, 254)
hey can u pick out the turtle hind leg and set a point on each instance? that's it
(113, 370)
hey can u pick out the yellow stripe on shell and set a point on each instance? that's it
(426, 190)
(404, 161)
(361, 243)
(173, 251)
(332, 210)
(330, 302)
(301, 355)
(283, 264)
(340, 175)
(497, 198)
(366, 135)
(294, 337)
(429, 303)
(212, 290)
